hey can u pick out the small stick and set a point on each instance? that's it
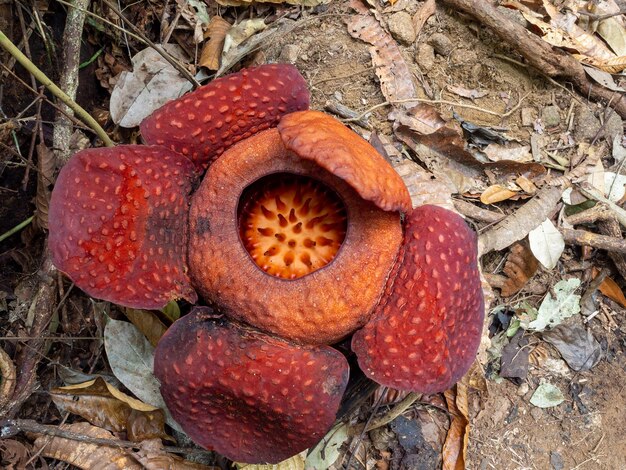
(477, 213)
(16, 229)
(6, 43)
(584, 238)
(587, 190)
(345, 112)
(12, 427)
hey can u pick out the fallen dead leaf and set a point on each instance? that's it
(496, 193)
(427, 10)
(7, 379)
(153, 457)
(152, 83)
(467, 93)
(148, 323)
(212, 49)
(105, 406)
(85, 455)
(396, 79)
(520, 266)
(610, 288)
(455, 448)
(305, 3)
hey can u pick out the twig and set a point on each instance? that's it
(12, 427)
(345, 112)
(446, 102)
(341, 77)
(68, 79)
(173, 62)
(584, 238)
(591, 192)
(16, 229)
(477, 213)
(55, 90)
(392, 414)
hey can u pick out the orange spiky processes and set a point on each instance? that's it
(291, 225)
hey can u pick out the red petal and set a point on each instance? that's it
(251, 397)
(118, 224)
(425, 332)
(204, 123)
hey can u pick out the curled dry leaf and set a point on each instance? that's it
(610, 288)
(496, 193)
(520, 266)
(455, 446)
(46, 162)
(212, 49)
(105, 406)
(7, 379)
(396, 80)
(153, 457)
(147, 322)
(86, 455)
(238, 33)
(427, 10)
(239, 3)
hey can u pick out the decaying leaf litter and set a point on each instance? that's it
(535, 166)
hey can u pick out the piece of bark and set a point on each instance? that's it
(584, 238)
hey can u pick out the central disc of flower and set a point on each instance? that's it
(291, 225)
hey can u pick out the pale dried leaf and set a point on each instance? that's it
(326, 452)
(615, 186)
(396, 79)
(422, 118)
(610, 65)
(424, 187)
(85, 455)
(239, 3)
(613, 32)
(558, 307)
(427, 10)
(496, 193)
(517, 225)
(152, 83)
(547, 396)
(527, 185)
(7, 378)
(238, 33)
(603, 78)
(517, 153)
(131, 358)
(212, 49)
(153, 457)
(471, 94)
(547, 244)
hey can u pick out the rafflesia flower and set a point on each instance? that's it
(299, 233)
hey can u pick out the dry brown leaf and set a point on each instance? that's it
(610, 288)
(46, 162)
(152, 456)
(104, 406)
(455, 448)
(427, 10)
(610, 65)
(527, 185)
(148, 323)
(7, 379)
(212, 49)
(396, 79)
(239, 3)
(520, 266)
(423, 118)
(496, 193)
(471, 94)
(85, 455)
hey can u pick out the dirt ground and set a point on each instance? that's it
(586, 431)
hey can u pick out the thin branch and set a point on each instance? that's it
(6, 43)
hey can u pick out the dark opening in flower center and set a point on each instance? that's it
(291, 225)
